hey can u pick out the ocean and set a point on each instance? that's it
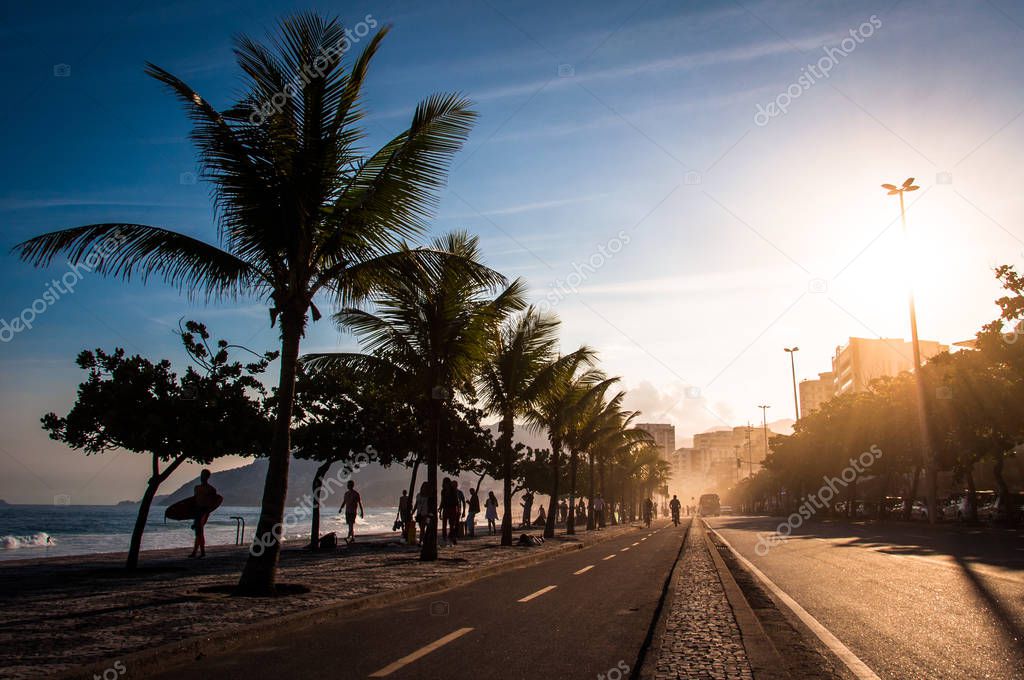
(35, 531)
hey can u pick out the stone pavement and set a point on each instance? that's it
(61, 613)
(700, 638)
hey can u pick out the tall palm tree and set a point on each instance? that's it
(301, 209)
(511, 380)
(430, 328)
(588, 425)
(619, 442)
(566, 383)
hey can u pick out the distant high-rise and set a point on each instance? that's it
(814, 393)
(864, 359)
(664, 436)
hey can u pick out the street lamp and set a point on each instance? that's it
(792, 365)
(764, 422)
(931, 472)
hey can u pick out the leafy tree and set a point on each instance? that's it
(133, 404)
(302, 211)
(344, 417)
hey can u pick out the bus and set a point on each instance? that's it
(710, 506)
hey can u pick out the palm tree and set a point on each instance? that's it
(510, 382)
(430, 329)
(301, 210)
(566, 382)
(584, 430)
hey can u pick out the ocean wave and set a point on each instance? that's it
(38, 539)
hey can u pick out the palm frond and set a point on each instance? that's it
(127, 250)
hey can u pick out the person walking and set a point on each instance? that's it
(542, 517)
(563, 511)
(648, 511)
(449, 512)
(462, 508)
(491, 504)
(599, 511)
(473, 510)
(423, 509)
(405, 508)
(205, 502)
(349, 504)
(527, 509)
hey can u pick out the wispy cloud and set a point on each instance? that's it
(518, 208)
(683, 62)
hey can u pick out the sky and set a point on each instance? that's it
(690, 186)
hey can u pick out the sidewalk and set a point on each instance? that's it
(62, 613)
(700, 637)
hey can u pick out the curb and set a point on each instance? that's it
(646, 667)
(170, 655)
(842, 654)
(762, 655)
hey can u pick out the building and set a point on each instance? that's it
(864, 359)
(664, 436)
(814, 393)
(726, 456)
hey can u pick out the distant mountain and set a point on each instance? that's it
(377, 485)
(3, 503)
(127, 503)
(244, 485)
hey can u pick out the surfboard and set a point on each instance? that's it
(186, 509)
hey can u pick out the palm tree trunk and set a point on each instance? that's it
(972, 497)
(412, 479)
(428, 553)
(505, 443)
(314, 525)
(549, 526)
(152, 485)
(590, 500)
(1004, 489)
(261, 567)
(570, 527)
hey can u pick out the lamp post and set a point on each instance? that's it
(764, 423)
(792, 365)
(931, 474)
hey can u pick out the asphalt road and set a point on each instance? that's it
(910, 601)
(577, 615)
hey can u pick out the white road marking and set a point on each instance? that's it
(583, 570)
(608, 558)
(637, 543)
(624, 549)
(538, 593)
(851, 660)
(419, 653)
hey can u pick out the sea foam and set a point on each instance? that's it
(38, 539)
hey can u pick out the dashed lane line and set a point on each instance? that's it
(419, 653)
(537, 594)
(583, 570)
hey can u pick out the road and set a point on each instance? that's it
(577, 615)
(910, 601)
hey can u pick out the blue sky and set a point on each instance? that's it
(623, 126)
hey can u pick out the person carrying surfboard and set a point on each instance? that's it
(205, 498)
(349, 504)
